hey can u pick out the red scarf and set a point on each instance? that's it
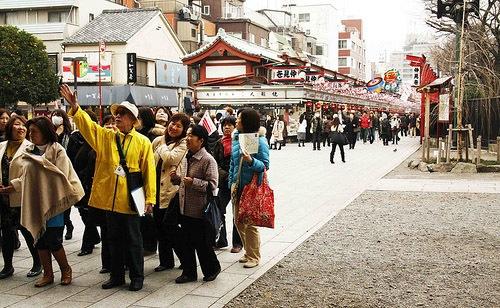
(226, 143)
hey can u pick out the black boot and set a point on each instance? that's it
(331, 157)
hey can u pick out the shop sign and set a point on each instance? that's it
(171, 74)
(88, 71)
(444, 108)
(131, 67)
(238, 94)
(285, 74)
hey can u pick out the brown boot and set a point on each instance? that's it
(66, 271)
(48, 274)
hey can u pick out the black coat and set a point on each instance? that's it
(83, 158)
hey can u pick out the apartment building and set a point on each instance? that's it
(352, 49)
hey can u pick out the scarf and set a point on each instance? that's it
(226, 143)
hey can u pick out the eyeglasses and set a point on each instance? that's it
(121, 112)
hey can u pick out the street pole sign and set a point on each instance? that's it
(102, 50)
(131, 67)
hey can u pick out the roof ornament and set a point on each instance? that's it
(221, 32)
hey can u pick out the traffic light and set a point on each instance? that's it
(416, 76)
(444, 8)
(473, 7)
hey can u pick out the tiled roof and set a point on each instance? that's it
(23, 4)
(239, 44)
(113, 26)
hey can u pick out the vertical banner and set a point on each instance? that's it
(444, 108)
(131, 67)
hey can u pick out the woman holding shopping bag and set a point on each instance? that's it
(242, 168)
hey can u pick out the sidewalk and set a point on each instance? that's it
(309, 191)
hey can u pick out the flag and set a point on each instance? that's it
(207, 122)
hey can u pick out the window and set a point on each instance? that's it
(309, 44)
(342, 61)
(2, 19)
(193, 32)
(15, 18)
(58, 16)
(91, 17)
(319, 50)
(32, 17)
(206, 10)
(306, 17)
(142, 72)
(263, 42)
(308, 32)
(342, 44)
(252, 38)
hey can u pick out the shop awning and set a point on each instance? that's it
(139, 95)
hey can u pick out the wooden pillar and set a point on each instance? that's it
(498, 149)
(478, 156)
(450, 141)
(427, 124)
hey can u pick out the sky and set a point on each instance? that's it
(385, 22)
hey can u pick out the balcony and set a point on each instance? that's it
(166, 6)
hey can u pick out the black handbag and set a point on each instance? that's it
(211, 214)
(134, 179)
(339, 138)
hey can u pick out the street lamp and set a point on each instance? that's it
(74, 61)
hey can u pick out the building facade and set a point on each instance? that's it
(52, 21)
(352, 49)
(318, 18)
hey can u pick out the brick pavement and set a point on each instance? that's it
(309, 191)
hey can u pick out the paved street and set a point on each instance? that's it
(309, 191)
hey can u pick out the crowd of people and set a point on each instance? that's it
(47, 168)
(344, 128)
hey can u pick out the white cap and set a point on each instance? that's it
(127, 105)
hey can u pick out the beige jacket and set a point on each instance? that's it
(15, 169)
(48, 185)
(171, 155)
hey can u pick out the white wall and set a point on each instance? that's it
(149, 44)
(324, 24)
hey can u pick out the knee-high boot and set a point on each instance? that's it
(48, 274)
(66, 272)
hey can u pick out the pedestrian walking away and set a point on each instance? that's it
(337, 139)
(316, 130)
(122, 219)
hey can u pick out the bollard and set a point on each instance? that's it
(478, 156)
(498, 149)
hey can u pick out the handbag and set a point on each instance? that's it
(134, 179)
(211, 214)
(339, 138)
(256, 205)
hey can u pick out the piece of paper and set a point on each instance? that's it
(249, 142)
(139, 200)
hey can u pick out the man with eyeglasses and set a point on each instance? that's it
(109, 188)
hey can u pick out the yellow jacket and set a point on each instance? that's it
(109, 191)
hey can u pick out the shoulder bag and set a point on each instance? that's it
(134, 179)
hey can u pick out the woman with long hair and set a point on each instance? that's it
(163, 115)
(336, 131)
(169, 150)
(242, 168)
(10, 204)
(147, 124)
(48, 185)
(62, 124)
(4, 118)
